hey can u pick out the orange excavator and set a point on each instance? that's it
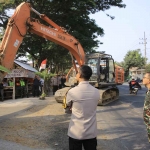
(102, 64)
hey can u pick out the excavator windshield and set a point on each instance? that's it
(93, 63)
(102, 67)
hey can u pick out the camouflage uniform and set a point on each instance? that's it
(146, 113)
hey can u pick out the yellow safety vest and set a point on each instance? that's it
(22, 83)
(11, 83)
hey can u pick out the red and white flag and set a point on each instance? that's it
(43, 64)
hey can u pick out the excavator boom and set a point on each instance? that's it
(21, 23)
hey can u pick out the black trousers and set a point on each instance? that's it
(88, 144)
(22, 91)
(55, 88)
(35, 90)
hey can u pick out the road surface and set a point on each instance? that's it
(31, 124)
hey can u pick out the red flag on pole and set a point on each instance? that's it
(43, 64)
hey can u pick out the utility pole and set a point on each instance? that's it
(144, 42)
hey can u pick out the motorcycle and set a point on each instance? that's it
(134, 90)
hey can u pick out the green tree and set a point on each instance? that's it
(121, 64)
(73, 16)
(133, 58)
(147, 67)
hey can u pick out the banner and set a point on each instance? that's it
(17, 73)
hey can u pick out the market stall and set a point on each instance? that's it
(22, 75)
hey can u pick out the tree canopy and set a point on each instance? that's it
(72, 15)
(147, 67)
(133, 59)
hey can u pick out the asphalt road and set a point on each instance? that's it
(120, 124)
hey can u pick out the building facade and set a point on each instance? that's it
(136, 73)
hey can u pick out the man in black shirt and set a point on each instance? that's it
(63, 80)
(36, 84)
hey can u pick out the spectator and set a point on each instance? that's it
(22, 87)
(55, 83)
(83, 100)
(17, 87)
(42, 85)
(63, 80)
(2, 91)
(5, 82)
(36, 84)
(59, 82)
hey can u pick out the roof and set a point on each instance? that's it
(133, 68)
(136, 69)
(25, 66)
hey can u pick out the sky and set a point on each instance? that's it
(126, 31)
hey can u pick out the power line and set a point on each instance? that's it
(144, 42)
(133, 44)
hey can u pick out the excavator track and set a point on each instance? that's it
(107, 95)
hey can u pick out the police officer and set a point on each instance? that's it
(146, 110)
(83, 100)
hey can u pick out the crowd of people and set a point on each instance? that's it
(58, 82)
(20, 85)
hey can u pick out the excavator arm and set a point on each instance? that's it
(21, 23)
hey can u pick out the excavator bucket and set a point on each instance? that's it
(60, 94)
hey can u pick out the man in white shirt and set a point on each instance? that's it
(83, 100)
(55, 83)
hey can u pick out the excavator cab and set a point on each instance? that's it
(103, 76)
(103, 69)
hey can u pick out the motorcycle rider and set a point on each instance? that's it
(132, 83)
